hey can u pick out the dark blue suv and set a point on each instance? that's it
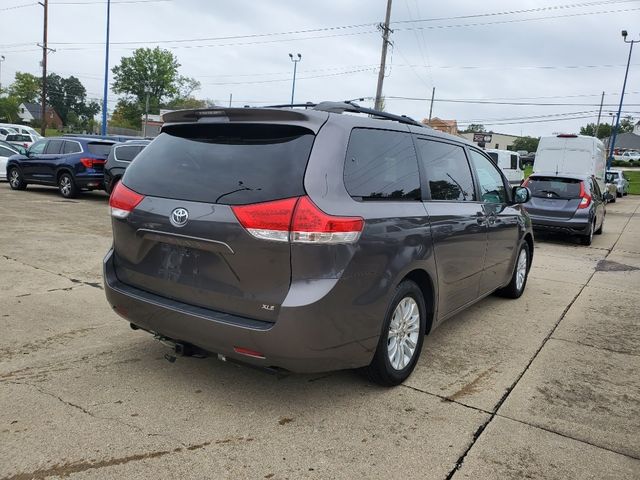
(71, 164)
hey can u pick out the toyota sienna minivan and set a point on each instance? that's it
(310, 239)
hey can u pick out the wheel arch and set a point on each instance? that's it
(529, 239)
(424, 281)
(62, 170)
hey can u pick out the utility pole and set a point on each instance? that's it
(624, 84)
(295, 61)
(106, 74)
(1, 60)
(599, 114)
(43, 108)
(146, 112)
(433, 94)
(230, 99)
(383, 58)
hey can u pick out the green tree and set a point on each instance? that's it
(152, 72)
(68, 95)
(26, 87)
(529, 144)
(604, 130)
(474, 128)
(9, 107)
(127, 114)
(626, 125)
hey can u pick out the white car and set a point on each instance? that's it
(630, 155)
(4, 131)
(5, 152)
(23, 139)
(25, 129)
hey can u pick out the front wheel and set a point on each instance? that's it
(67, 186)
(518, 281)
(16, 180)
(402, 335)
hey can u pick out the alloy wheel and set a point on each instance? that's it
(404, 329)
(65, 185)
(521, 269)
(14, 178)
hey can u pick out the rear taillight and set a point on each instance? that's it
(123, 200)
(525, 182)
(312, 225)
(91, 162)
(585, 198)
(297, 220)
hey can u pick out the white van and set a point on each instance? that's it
(568, 153)
(509, 163)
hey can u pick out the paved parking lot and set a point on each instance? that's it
(546, 386)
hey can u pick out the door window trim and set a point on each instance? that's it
(424, 187)
(505, 182)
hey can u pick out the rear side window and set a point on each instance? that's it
(514, 162)
(53, 147)
(554, 187)
(494, 157)
(99, 149)
(381, 165)
(447, 171)
(71, 147)
(126, 154)
(232, 164)
(5, 152)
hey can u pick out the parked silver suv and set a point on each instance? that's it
(311, 239)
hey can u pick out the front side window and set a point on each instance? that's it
(381, 165)
(38, 147)
(446, 170)
(492, 189)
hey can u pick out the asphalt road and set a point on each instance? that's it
(546, 386)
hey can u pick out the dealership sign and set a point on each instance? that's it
(482, 137)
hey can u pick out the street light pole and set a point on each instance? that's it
(1, 60)
(624, 84)
(106, 73)
(295, 61)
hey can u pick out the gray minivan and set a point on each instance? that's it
(310, 239)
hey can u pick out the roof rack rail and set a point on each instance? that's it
(351, 107)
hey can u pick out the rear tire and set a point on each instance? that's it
(402, 336)
(588, 238)
(67, 187)
(518, 282)
(16, 180)
(599, 231)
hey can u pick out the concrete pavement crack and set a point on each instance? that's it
(504, 397)
(539, 427)
(612, 350)
(73, 280)
(98, 417)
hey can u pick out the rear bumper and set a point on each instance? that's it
(93, 181)
(571, 226)
(304, 339)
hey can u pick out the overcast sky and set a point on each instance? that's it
(543, 55)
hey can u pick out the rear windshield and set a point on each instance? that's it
(16, 137)
(99, 149)
(230, 164)
(554, 187)
(611, 177)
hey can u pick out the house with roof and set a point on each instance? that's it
(627, 141)
(28, 112)
(446, 126)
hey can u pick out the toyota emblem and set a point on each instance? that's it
(179, 217)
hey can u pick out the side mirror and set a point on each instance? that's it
(520, 195)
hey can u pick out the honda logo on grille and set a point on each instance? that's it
(179, 217)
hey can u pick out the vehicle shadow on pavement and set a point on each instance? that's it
(52, 193)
